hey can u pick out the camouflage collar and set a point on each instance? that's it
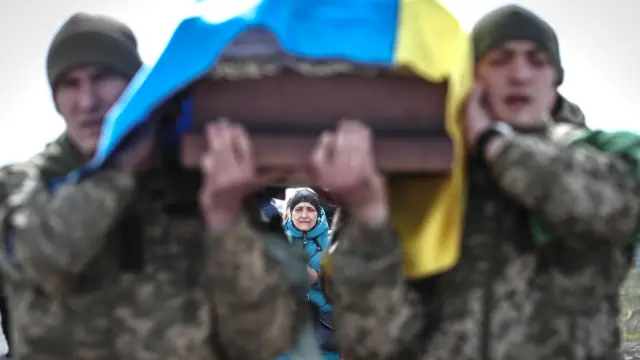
(58, 158)
(567, 112)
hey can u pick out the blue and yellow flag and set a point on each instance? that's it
(418, 34)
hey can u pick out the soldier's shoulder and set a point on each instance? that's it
(15, 171)
(12, 175)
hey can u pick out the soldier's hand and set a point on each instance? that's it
(136, 153)
(229, 174)
(343, 162)
(477, 117)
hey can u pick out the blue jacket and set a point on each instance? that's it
(315, 241)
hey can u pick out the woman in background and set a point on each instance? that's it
(307, 226)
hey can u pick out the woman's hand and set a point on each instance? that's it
(313, 275)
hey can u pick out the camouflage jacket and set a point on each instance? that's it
(117, 268)
(508, 297)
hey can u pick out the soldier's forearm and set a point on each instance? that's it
(377, 315)
(257, 307)
(48, 237)
(579, 190)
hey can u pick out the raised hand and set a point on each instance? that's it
(343, 163)
(136, 153)
(229, 174)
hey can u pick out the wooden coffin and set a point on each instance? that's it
(285, 114)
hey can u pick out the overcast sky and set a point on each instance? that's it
(599, 45)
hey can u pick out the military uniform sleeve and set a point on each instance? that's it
(49, 237)
(578, 190)
(259, 311)
(377, 315)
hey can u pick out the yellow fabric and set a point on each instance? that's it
(428, 213)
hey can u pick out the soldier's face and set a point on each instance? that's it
(520, 82)
(304, 216)
(83, 97)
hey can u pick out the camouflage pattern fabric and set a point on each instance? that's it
(507, 298)
(121, 268)
(57, 159)
(568, 112)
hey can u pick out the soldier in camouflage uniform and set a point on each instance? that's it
(139, 260)
(87, 75)
(511, 296)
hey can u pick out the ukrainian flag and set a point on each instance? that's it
(418, 34)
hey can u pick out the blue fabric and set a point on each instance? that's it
(327, 29)
(319, 233)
